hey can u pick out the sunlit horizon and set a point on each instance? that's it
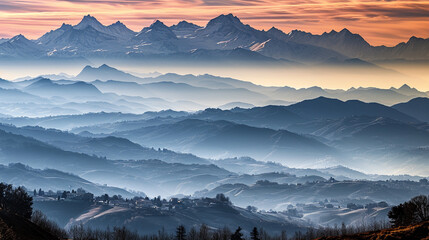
(380, 23)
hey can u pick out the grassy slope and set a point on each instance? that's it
(418, 231)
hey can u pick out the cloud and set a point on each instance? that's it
(22, 6)
(232, 2)
(111, 2)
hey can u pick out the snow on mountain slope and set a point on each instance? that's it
(184, 29)
(20, 46)
(92, 39)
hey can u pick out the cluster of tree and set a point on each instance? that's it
(79, 232)
(412, 212)
(340, 231)
(222, 198)
(15, 201)
(38, 193)
(43, 222)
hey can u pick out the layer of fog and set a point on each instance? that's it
(384, 75)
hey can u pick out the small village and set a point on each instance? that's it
(80, 195)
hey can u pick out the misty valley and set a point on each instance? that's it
(284, 168)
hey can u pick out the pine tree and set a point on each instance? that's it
(181, 233)
(254, 234)
(237, 235)
(204, 232)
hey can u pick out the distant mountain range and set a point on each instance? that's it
(331, 131)
(223, 38)
(108, 89)
(113, 80)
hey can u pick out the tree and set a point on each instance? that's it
(225, 233)
(343, 229)
(15, 201)
(221, 198)
(251, 208)
(237, 235)
(283, 235)
(105, 198)
(204, 232)
(42, 221)
(254, 234)
(421, 204)
(181, 233)
(193, 235)
(414, 211)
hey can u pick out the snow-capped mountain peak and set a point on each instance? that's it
(157, 31)
(185, 24)
(89, 20)
(185, 29)
(119, 30)
(158, 25)
(225, 20)
(91, 38)
(119, 23)
(345, 31)
(18, 38)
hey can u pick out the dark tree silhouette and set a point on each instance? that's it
(422, 208)
(414, 211)
(237, 235)
(15, 200)
(204, 232)
(43, 222)
(254, 234)
(221, 198)
(181, 233)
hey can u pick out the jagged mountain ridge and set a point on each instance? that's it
(90, 38)
(108, 89)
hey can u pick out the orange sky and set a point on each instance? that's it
(380, 22)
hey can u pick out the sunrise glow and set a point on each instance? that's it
(379, 22)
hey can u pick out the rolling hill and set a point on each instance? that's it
(415, 108)
(219, 139)
(50, 179)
